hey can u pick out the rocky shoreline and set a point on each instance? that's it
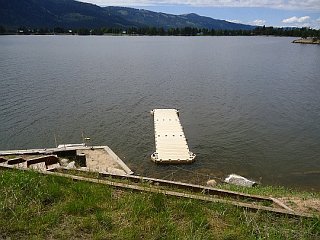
(307, 41)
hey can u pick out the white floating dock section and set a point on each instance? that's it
(171, 144)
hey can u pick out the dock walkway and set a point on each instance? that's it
(170, 141)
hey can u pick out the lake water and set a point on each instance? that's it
(248, 105)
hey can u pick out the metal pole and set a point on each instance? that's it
(55, 140)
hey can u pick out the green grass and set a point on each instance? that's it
(33, 206)
(275, 191)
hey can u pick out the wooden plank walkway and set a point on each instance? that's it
(170, 141)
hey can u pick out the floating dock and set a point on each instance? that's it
(170, 141)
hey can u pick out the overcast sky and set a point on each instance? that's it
(297, 13)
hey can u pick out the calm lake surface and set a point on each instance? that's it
(248, 105)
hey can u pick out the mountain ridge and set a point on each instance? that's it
(75, 14)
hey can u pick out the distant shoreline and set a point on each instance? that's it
(160, 31)
(134, 35)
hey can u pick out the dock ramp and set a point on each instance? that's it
(170, 141)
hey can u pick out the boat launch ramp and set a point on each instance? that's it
(170, 141)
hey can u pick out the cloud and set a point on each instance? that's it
(305, 21)
(259, 22)
(316, 24)
(296, 19)
(279, 4)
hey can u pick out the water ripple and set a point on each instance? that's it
(248, 105)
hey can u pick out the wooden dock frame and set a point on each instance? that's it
(60, 149)
(281, 209)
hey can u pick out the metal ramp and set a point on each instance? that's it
(170, 141)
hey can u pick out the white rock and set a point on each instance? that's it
(54, 166)
(239, 180)
(64, 162)
(71, 165)
(212, 183)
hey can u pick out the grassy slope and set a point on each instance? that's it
(37, 207)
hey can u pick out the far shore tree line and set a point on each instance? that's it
(153, 31)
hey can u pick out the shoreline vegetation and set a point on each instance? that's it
(304, 33)
(37, 206)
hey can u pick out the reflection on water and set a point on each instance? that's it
(249, 105)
